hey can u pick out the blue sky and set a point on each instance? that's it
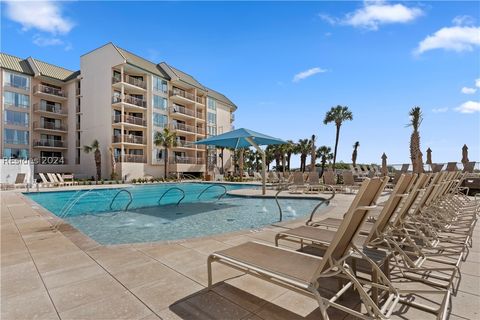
(285, 64)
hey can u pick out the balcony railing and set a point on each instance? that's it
(186, 160)
(51, 143)
(130, 80)
(129, 138)
(49, 90)
(43, 107)
(200, 115)
(130, 119)
(183, 94)
(181, 109)
(200, 130)
(16, 123)
(185, 144)
(131, 158)
(49, 126)
(16, 141)
(200, 100)
(10, 105)
(131, 100)
(183, 127)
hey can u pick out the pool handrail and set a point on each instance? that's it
(309, 221)
(211, 186)
(168, 190)
(116, 195)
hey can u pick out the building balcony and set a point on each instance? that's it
(49, 126)
(49, 143)
(129, 100)
(131, 158)
(200, 130)
(182, 127)
(185, 144)
(130, 120)
(130, 81)
(50, 109)
(129, 138)
(200, 100)
(186, 160)
(50, 91)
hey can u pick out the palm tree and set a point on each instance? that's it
(338, 115)
(289, 149)
(277, 152)
(415, 152)
(325, 154)
(354, 153)
(269, 155)
(95, 148)
(303, 148)
(313, 154)
(166, 139)
(222, 149)
(240, 163)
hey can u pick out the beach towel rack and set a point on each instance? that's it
(214, 185)
(116, 195)
(173, 188)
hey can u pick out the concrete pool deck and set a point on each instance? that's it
(46, 274)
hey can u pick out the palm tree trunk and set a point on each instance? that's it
(240, 164)
(337, 136)
(98, 164)
(165, 171)
(223, 170)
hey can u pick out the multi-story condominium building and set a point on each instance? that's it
(117, 98)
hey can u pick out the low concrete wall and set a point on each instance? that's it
(9, 168)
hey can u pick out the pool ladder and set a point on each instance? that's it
(214, 185)
(116, 195)
(314, 209)
(173, 188)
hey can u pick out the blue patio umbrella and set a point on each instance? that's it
(243, 138)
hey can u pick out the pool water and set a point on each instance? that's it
(146, 220)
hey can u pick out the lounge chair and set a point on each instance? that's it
(469, 167)
(349, 181)
(19, 182)
(405, 167)
(330, 180)
(313, 183)
(60, 180)
(54, 179)
(257, 176)
(45, 182)
(298, 185)
(272, 177)
(304, 273)
(218, 176)
(451, 166)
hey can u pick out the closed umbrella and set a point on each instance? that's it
(429, 156)
(244, 138)
(384, 165)
(465, 154)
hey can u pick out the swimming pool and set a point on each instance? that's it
(146, 220)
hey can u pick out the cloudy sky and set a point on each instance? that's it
(285, 64)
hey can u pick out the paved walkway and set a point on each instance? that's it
(47, 274)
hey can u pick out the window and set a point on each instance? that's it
(159, 102)
(212, 130)
(17, 81)
(12, 136)
(159, 85)
(160, 120)
(17, 99)
(16, 118)
(212, 104)
(13, 153)
(212, 118)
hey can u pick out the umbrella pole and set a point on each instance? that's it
(264, 191)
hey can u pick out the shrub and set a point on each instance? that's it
(134, 180)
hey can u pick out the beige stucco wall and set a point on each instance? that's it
(96, 118)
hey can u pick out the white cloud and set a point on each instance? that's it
(46, 41)
(307, 73)
(451, 38)
(43, 15)
(375, 13)
(463, 20)
(467, 90)
(477, 83)
(439, 110)
(469, 107)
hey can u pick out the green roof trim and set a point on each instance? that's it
(17, 64)
(142, 63)
(52, 71)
